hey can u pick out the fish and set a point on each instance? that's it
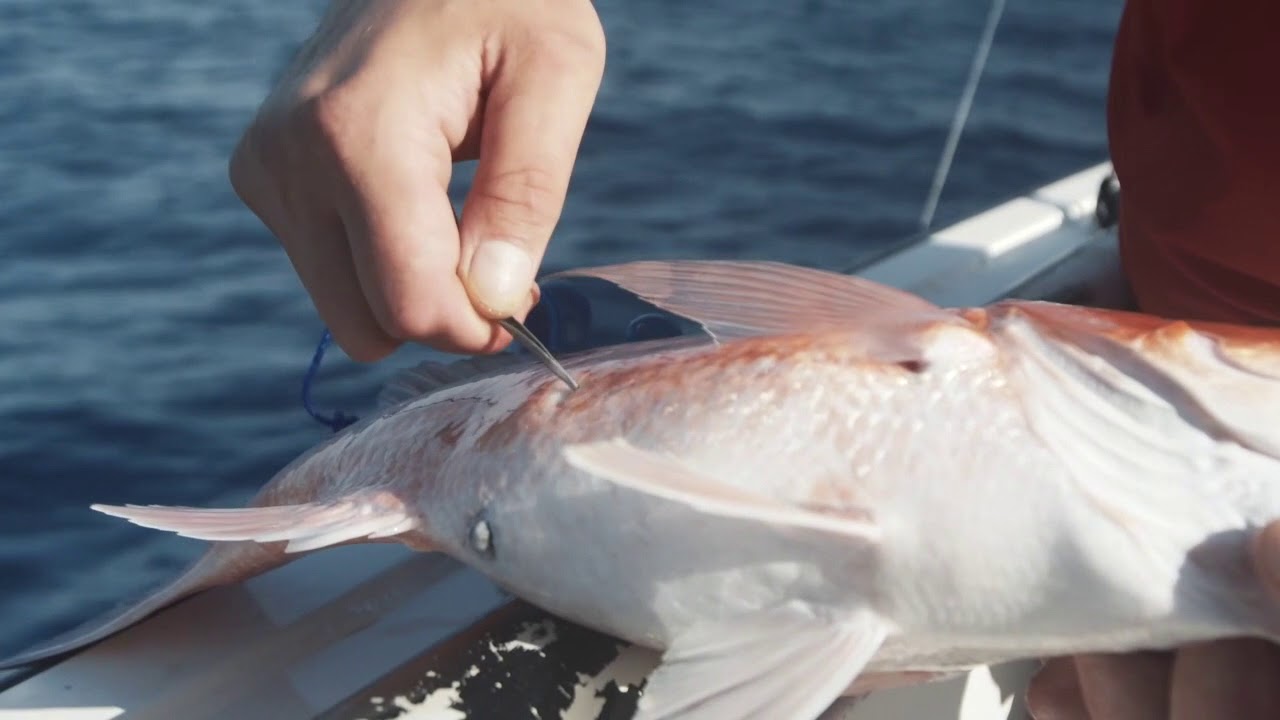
(836, 484)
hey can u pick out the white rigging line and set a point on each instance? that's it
(962, 113)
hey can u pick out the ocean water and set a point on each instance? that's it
(153, 335)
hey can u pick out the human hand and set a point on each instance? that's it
(1235, 678)
(349, 159)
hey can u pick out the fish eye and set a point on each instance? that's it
(481, 537)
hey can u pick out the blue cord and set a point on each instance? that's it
(339, 419)
(553, 306)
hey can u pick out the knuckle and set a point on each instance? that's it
(321, 121)
(527, 197)
(589, 41)
(276, 145)
(571, 45)
(258, 181)
(556, 29)
(327, 117)
(588, 32)
(572, 51)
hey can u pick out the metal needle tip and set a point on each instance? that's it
(535, 346)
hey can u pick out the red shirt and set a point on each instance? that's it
(1194, 128)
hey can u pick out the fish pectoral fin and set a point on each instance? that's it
(1226, 379)
(1125, 432)
(665, 476)
(364, 515)
(732, 298)
(785, 662)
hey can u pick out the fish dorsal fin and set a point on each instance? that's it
(783, 662)
(432, 375)
(665, 476)
(744, 298)
(364, 515)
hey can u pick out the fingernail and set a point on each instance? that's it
(499, 277)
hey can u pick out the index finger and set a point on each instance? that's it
(403, 236)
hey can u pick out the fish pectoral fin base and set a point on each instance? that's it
(662, 475)
(732, 298)
(366, 515)
(783, 662)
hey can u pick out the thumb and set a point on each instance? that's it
(534, 118)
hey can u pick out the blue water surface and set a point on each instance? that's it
(153, 334)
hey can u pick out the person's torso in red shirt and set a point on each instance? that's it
(1194, 126)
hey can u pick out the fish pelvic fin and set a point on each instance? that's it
(363, 516)
(784, 662)
(668, 477)
(733, 299)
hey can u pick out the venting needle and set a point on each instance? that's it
(535, 346)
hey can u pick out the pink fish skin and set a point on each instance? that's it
(843, 485)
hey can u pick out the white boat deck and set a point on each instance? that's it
(381, 632)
